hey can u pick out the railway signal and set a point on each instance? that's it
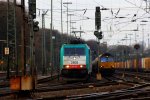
(136, 46)
(98, 18)
(32, 8)
(35, 26)
(98, 34)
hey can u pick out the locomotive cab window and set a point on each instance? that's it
(106, 59)
(74, 51)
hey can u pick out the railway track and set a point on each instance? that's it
(63, 85)
(60, 92)
(134, 76)
(77, 85)
(5, 90)
(60, 89)
(133, 92)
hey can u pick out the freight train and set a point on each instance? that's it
(75, 61)
(142, 64)
(104, 64)
(107, 64)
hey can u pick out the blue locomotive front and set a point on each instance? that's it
(105, 65)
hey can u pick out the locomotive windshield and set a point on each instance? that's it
(106, 59)
(74, 51)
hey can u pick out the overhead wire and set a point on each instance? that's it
(106, 20)
(135, 5)
(128, 22)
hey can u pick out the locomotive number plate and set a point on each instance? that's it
(74, 62)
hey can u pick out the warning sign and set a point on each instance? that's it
(6, 51)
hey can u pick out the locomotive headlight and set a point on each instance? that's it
(81, 66)
(67, 66)
(74, 58)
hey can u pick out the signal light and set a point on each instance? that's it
(97, 18)
(99, 35)
(1, 61)
(32, 8)
(35, 26)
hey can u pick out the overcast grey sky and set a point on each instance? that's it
(114, 28)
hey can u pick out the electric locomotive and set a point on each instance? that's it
(105, 65)
(75, 61)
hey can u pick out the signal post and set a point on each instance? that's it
(137, 47)
(27, 81)
(98, 34)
